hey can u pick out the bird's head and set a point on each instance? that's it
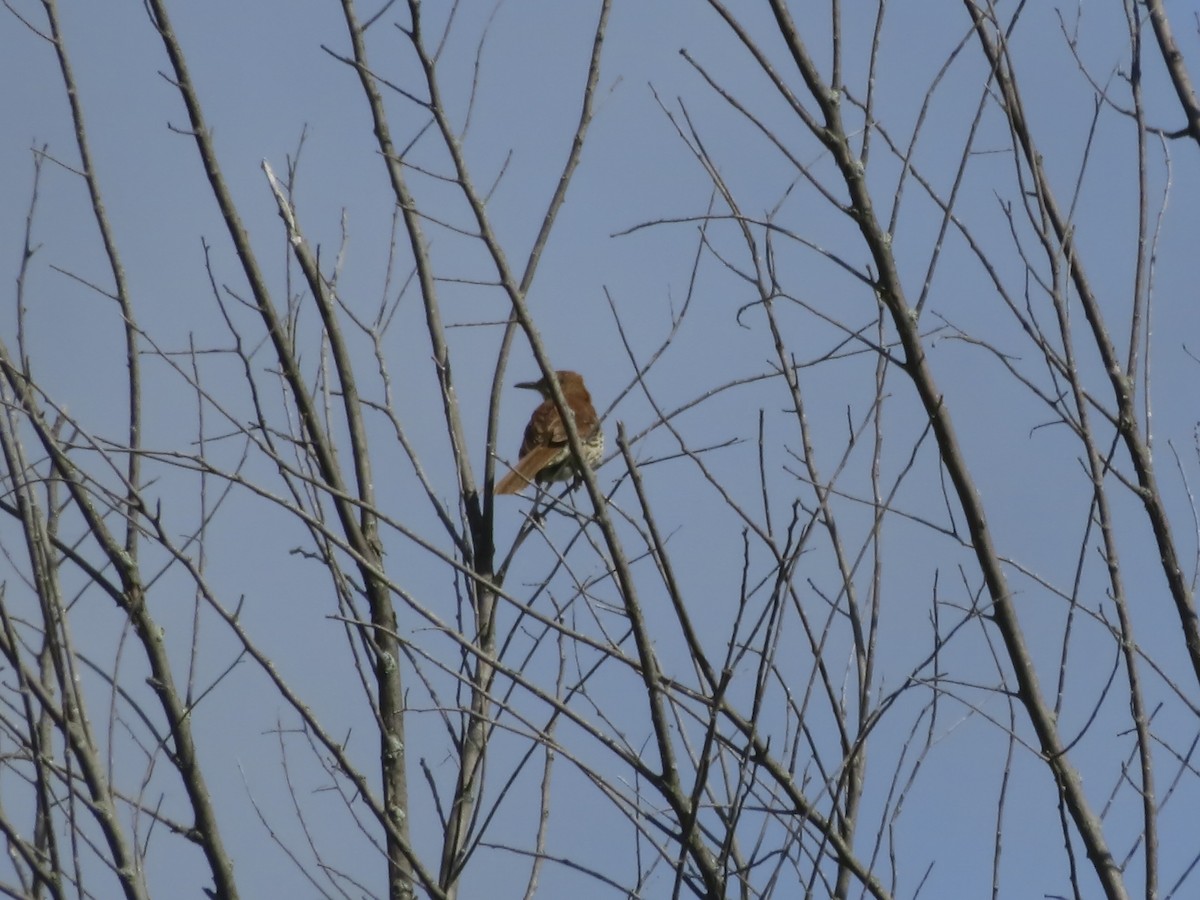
(567, 380)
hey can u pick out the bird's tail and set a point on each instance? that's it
(527, 469)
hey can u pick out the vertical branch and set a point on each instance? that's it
(832, 134)
(480, 551)
(669, 783)
(587, 108)
(1059, 239)
(1173, 59)
(70, 718)
(393, 748)
(121, 290)
(365, 545)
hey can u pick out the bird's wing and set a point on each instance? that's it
(545, 429)
(544, 440)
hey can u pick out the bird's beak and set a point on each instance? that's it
(530, 385)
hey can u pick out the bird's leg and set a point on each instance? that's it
(541, 504)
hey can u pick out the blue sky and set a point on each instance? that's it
(265, 80)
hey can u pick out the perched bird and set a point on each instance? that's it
(545, 453)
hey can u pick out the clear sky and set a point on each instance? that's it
(512, 76)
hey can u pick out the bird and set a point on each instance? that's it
(545, 453)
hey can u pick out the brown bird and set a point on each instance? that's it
(545, 453)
